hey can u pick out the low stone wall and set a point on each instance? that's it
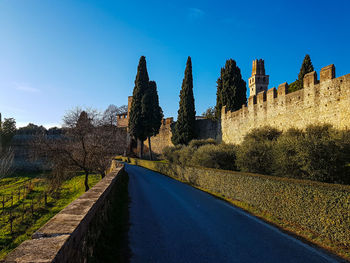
(70, 236)
(320, 208)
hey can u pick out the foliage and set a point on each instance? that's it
(8, 130)
(255, 156)
(294, 86)
(31, 129)
(222, 156)
(210, 113)
(199, 143)
(172, 153)
(286, 160)
(145, 114)
(325, 153)
(151, 112)
(306, 67)
(263, 133)
(207, 153)
(319, 153)
(255, 152)
(317, 211)
(184, 128)
(136, 119)
(231, 88)
(219, 103)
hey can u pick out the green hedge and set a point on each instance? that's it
(320, 208)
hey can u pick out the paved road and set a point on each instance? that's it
(173, 222)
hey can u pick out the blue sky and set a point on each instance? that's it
(59, 54)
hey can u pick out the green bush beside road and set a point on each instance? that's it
(319, 153)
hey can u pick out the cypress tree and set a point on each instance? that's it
(306, 67)
(231, 88)
(136, 122)
(152, 113)
(219, 97)
(184, 129)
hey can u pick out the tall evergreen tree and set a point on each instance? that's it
(219, 96)
(306, 67)
(231, 88)
(184, 129)
(136, 120)
(152, 113)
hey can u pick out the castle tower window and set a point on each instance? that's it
(258, 74)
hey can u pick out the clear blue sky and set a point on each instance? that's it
(58, 54)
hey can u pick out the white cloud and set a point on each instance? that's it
(195, 13)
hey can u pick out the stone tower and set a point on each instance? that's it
(258, 81)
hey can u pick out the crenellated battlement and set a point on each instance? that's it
(320, 101)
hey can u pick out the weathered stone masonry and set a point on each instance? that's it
(320, 101)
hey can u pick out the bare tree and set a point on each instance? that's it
(86, 144)
(110, 114)
(109, 141)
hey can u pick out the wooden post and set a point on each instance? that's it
(3, 204)
(23, 211)
(45, 198)
(32, 208)
(11, 221)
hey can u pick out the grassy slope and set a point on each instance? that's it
(23, 229)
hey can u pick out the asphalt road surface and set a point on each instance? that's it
(174, 222)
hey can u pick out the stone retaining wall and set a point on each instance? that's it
(70, 236)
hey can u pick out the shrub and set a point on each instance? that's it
(263, 133)
(171, 153)
(255, 154)
(199, 143)
(220, 156)
(184, 155)
(286, 157)
(319, 153)
(324, 154)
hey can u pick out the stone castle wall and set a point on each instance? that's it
(163, 138)
(320, 101)
(205, 129)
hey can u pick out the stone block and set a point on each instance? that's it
(327, 73)
(310, 79)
